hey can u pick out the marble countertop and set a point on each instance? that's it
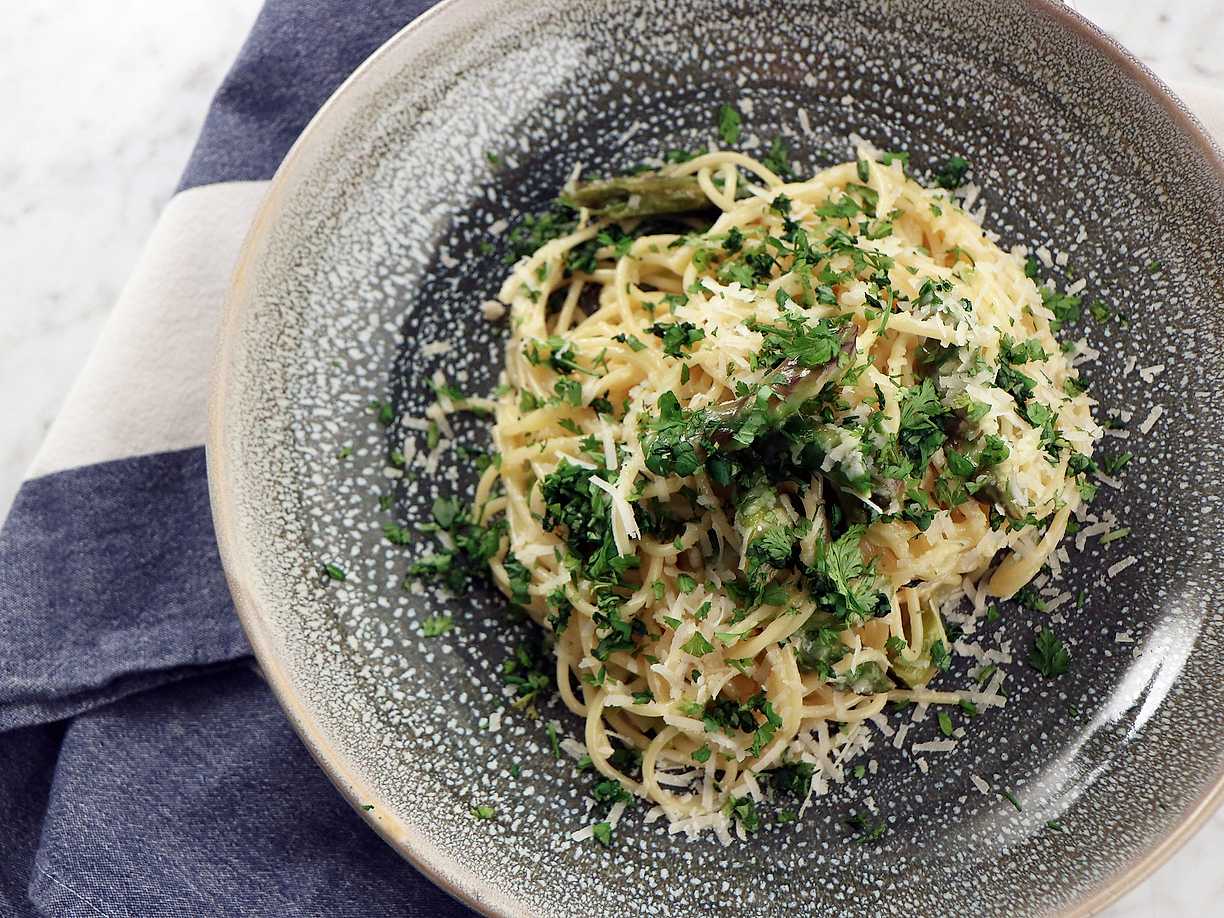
(107, 98)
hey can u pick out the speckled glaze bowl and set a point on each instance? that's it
(373, 243)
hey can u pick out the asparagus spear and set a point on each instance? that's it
(793, 385)
(858, 476)
(768, 535)
(681, 440)
(641, 195)
(920, 671)
(819, 646)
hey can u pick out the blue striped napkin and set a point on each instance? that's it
(145, 768)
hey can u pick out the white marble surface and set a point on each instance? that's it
(101, 105)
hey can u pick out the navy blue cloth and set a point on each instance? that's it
(145, 768)
(298, 52)
(110, 582)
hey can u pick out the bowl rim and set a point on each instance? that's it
(449, 873)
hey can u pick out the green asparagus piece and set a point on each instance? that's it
(768, 535)
(920, 671)
(793, 384)
(641, 195)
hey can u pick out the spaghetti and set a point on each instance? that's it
(745, 463)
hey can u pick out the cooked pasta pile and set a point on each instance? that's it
(745, 462)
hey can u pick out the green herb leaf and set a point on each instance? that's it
(866, 829)
(697, 645)
(777, 160)
(1049, 656)
(676, 336)
(436, 625)
(729, 124)
(940, 658)
(952, 175)
(945, 723)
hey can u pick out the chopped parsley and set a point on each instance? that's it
(436, 625)
(1049, 656)
(865, 829)
(844, 583)
(528, 673)
(634, 342)
(670, 448)
(729, 124)
(396, 535)
(953, 173)
(473, 544)
(743, 811)
(537, 229)
(697, 645)
(777, 160)
(1112, 465)
(945, 723)
(384, 412)
(676, 336)
(940, 658)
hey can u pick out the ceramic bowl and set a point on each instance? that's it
(383, 233)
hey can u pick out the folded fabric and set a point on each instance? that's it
(145, 768)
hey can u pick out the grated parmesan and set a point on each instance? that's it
(946, 745)
(435, 348)
(1150, 421)
(1149, 374)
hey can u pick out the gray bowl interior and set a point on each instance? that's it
(372, 248)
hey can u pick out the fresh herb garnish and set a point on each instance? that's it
(1049, 656)
(952, 175)
(436, 625)
(866, 829)
(676, 336)
(729, 124)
